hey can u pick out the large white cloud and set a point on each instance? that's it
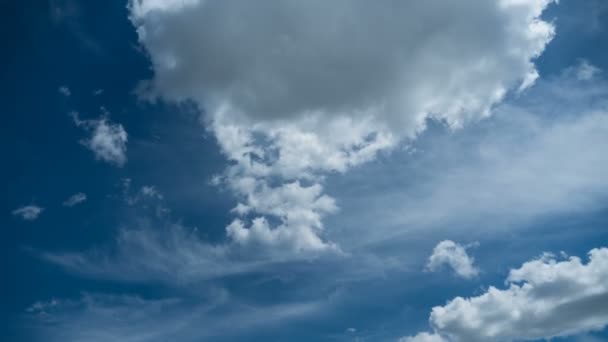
(402, 61)
(294, 89)
(545, 298)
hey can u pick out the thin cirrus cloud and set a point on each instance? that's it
(28, 212)
(275, 101)
(545, 298)
(75, 199)
(541, 162)
(454, 255)
(93, 318)
(108, 140)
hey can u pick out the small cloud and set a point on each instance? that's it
(65, 91)
(583, 70)
(108, 140)
(75, 199)
(586, 71)
(450, 253)
(150, 191)
(28, 212)
(97, 92)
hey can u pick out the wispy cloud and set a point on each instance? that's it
(75, 199)
(28, 212)
(101, 317)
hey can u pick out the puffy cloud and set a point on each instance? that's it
(401, 62)
(28, 212)
(545, 298)
(108, 140)
(450, 253)
(293, 90)
(77, 198)
(299, 209)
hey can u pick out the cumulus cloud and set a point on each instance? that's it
(316, 57)
(545, 298)
(293, 90)
(75, 199)
(299, 208)
(108, 141)
(454, 255)
(28, 212)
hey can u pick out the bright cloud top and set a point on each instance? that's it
(546, 298)
(28, 212)
(293, 90)
(454, 255)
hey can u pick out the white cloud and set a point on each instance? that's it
(75, 199)
(423, 337)
(418, 59)
(108, 140)
(293, 90)
(28, 212)
(545, 298)
(65, 91)
(299, 208)
(450, 253)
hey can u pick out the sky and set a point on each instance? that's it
(208, 170)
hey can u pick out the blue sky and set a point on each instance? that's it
(289, 171)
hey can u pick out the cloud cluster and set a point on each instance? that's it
(452, 254)
(545, 298)
(293, 90)
(108, 141)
